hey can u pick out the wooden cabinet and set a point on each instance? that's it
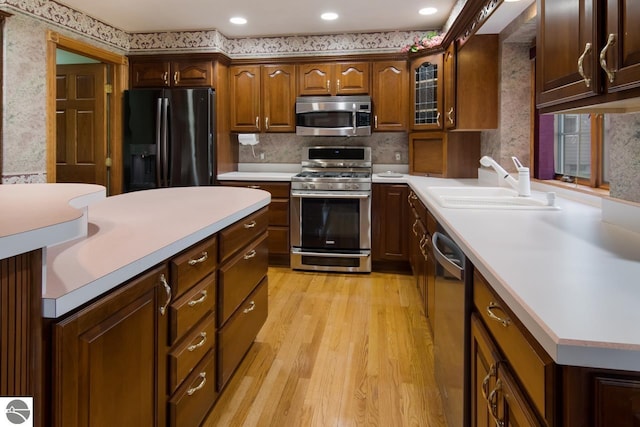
(242, 291)
(444, 155)
(427, 90)
(262, 98)
(345, 78)
(588, 53)
(471, 84)
(109, 352)
(390, 225)
(192, 333)
(496, 398)
(523, 375)
(278, 225)
(389, 96)
(423, 225)
(149, 72)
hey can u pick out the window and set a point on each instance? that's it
(579, 149)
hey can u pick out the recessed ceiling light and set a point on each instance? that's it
(427, 11)
(238, 20)
(329, 16)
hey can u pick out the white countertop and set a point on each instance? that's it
(133, 232)
(34, 216)
(570, 277)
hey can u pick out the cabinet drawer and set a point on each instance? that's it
(194, 398)
(528, 361)
(187, 310)
(279, 212)
(277, 189)
(234, 237)
(193, 264)
(235, 338)
(240, 276)
(186, 355)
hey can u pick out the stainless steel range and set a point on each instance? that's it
(331, 210)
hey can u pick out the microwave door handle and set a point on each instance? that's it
(354, 118)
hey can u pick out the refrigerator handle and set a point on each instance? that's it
(165, 142)
(158, 140)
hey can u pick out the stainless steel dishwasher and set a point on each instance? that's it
(452, 310)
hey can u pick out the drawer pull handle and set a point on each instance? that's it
(414, 227)
(167, 288)
(255, 187)
(492, 315)
(250, 254)
(203, 339)
(203, 258)
(203, 376)
(250, 225)
(199, 300)
(252, 306)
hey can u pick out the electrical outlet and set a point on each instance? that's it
(262, 156)
(398, 156)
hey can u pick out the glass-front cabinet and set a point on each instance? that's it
(427, 93)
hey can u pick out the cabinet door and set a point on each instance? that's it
(426, 153)
(449, 71)
(567, 37)
(623, 56)
(427, 93)
(390, 104)
(150, 74)
(278, 98)
(516, 410)
(315, 79)
(245, 98)
(109, 359)
(351, 79)
(192, 73)
(483, 382)
(389, 222)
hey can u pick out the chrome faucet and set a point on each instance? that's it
(522, 185)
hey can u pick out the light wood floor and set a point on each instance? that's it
(336, 350)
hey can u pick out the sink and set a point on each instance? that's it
(490, 198)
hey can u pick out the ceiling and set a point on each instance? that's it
(267, 18)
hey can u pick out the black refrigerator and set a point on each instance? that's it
(168, 138)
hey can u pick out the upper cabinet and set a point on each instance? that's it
(389, 95)
(427, 92)
(587, 54)
(164, 73)
(471, 84)
(262, 98)
(349, 78)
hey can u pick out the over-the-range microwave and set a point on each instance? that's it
(333, 115)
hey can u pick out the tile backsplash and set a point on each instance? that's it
(287, 147)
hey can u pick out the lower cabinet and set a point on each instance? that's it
(109, 359)
(390, 226)
(279, 249)
(157, 350)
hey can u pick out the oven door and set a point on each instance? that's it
(331, 231)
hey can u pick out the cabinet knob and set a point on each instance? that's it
(450, 115)
(203, 339)
(203, 381)
(176, 77)
(167, 289)
(492, 305)
(165, 78)
(587, 48)
(338, 85)
(328, 86)
(257, 122)
(611, 74)
(252, 306)
(266, 122)
(204, 256)
(194, 302)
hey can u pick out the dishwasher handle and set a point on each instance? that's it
(449, 264)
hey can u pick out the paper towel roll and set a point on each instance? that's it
(248, 138)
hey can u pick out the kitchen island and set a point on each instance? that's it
(130, 297)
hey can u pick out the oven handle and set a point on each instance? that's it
(330, 195)
(333, 254)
